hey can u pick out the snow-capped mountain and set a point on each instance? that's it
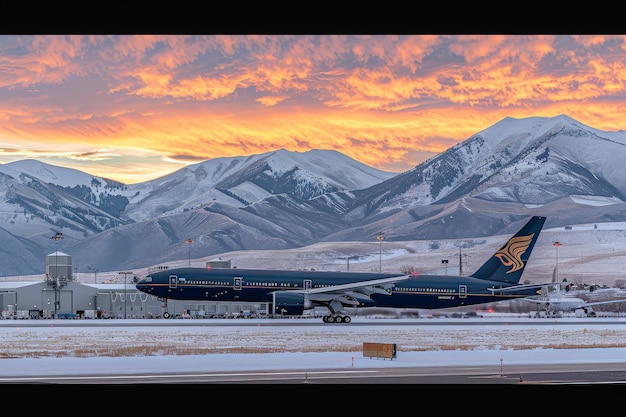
(486, 185)
(556, 167)
(37, 199)
(242, 181)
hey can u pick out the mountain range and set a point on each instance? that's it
(486, 185)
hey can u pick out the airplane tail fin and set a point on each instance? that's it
(508, 263)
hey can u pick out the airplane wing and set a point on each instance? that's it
(543, 300)
(351, 293)
(597, 303)
(535, 299)
(378, 286)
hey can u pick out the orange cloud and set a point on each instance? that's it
(141, 106)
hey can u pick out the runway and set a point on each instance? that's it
(558, 374)
(522, 320)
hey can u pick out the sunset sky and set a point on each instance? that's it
(136, 107)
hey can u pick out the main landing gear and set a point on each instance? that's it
(336, 318)
(336, 315)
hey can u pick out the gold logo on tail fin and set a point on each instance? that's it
(511, 254)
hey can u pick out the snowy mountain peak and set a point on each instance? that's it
(64, 177)
(555, 167)
(241, 181)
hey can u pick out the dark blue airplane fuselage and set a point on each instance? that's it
(292, 292)
(229, 285)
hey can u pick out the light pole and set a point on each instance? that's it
(556, 244)
(348, 262)
(56, 237)
(380, 238)
(189, 242)
(95, 276)
(125, 273)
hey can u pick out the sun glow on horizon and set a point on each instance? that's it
(137, 107)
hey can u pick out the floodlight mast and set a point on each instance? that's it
(557, 244)
(189, 242)
(380, 239)
(125, 273)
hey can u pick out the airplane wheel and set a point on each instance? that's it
(347, 319)
(338, 319)
(330, 319)
(166, 315)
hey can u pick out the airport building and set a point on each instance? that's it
(59, 296)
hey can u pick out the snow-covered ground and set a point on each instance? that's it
(32, 349)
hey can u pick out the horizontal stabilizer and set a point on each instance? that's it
(515, 288)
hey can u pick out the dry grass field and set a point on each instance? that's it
(22, 341)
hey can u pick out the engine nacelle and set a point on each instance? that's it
(290, 303)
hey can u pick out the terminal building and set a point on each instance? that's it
(59, 296)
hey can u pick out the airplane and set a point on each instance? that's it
(292, 292)
(555, 303)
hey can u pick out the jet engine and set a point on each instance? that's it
(291, 303)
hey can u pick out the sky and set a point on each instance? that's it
(136, 107)
(99, 349)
